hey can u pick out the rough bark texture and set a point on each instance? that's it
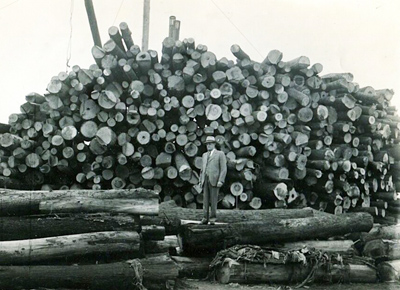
(189, 267)
(40, 226)
(95, 245)
(279, 230)
(291, 273)
(141, 206)
(27, 202)
(110, 276)
(171, 215)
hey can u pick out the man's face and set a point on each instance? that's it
(210, 146)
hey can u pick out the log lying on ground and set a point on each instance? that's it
(138, 206)
(382, 232)
(16, 202)
(382, 249)
(294, 273)
(343, 247)
(171, 215)
(40, 226)
(190, 267)
(389, 271)
(97, 245)
(278, 230)
(112, 276)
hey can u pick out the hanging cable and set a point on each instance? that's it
(1, 8)
(237, 28)
(69, 48)
(119, 9)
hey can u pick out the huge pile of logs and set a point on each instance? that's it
(139, 119)
(84, 239)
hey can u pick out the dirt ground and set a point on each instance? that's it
(206, 285)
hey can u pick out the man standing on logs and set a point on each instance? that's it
(212, 177)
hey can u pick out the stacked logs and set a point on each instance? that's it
(84, 239)
(139, 119)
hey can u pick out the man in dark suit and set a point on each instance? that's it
(212, 177)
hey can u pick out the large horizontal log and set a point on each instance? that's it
(110, 276)
(171, 215)
(97, 245)
(272, 230)
(142, 206)
(27, 202)
(291, 273)
(40, 226)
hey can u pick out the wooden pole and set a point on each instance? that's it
(146, 25)
(93, 22)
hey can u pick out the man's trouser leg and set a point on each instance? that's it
(213, 201)
(206, 199)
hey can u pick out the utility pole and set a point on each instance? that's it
(146, 25)
(93, 22)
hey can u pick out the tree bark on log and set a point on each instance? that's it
(290, 273)
(111, 276)
(15, 202)
(170, 215)
(269, 230)
(143, 206)
(40, 226)
(194, 268)
(66, 248)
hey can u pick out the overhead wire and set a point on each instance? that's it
(119, 9)
(1, 8)
(69, 48)
(236, 27)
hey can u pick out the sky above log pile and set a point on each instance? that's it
(361, 37)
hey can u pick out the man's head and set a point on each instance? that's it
(210, 143)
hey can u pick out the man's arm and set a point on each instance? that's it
(201, 177)
(223, 169)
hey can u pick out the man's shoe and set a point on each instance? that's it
(204, 221)
(212, 222)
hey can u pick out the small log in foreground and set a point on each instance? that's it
(113, 276)
(382, 249)
(292, 273)
(19, 202)
(171, 215)
(272, 230)
(143, 206)
(40, 226)
(100, 244)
